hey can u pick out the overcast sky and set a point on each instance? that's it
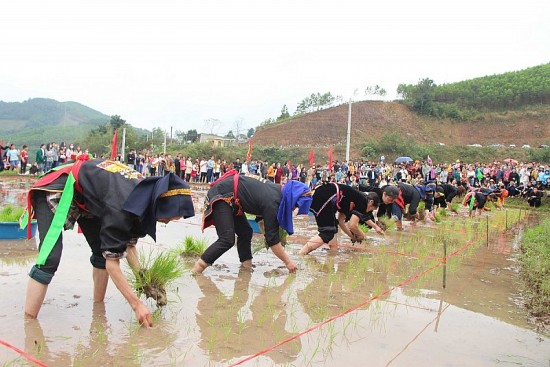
(178, 63)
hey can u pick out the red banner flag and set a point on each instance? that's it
(311, 157)
(113, 144)
(330, 159)
(249, 153)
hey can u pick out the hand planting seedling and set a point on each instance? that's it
(155, 275)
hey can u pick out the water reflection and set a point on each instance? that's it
(245, 322)
(38, 346)
(340, 284)
(17, 252)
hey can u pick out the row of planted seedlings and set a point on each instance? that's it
(335, 287)
(364, 278)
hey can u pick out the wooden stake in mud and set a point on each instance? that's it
(487, 231)
(444, 264)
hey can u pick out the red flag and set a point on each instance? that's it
(311, 157)
(330, 158)
(249, 153)
(113, 144)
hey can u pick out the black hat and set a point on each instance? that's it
(155, 198)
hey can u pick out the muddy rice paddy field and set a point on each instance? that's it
(381, 303)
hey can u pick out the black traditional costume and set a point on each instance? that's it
(112, 204)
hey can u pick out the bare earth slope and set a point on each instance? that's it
(374, 119)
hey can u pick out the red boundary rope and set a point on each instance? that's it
(317, 326)
(22, 353)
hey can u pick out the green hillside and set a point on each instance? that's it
(468, 99)
(41, 120)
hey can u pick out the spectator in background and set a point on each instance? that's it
(535, 198)
(34, 169)
(188, 169)
(131, 159)
(210, 169)
(69, 152)
(24, 155)
(12, 156)
(177, 166)
(244, 168)
(2, 155)
(41, 158)
(217, 170)
(49, 157)
(203, 168)
(139, 162)
(253, 168)
(271, 171)
(237, 164)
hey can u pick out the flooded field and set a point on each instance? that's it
(381, 303)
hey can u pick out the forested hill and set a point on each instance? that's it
(510, 108)
(41, 120)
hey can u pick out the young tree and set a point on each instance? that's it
(212, 124)
(375, 91)
(192, 135)
(284, 114)
(238, 126)
(116, 122)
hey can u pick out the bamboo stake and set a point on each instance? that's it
(444, 264)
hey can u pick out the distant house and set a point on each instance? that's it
(216, 141)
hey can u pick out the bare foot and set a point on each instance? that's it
(247, 264)
(305, 250)
(199, 267)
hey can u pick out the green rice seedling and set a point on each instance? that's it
(258, 244)
(191, 247)
(389, 223)
(455, 207)
(155, 275)
(11, 214)
(282, 235)
(364, 227)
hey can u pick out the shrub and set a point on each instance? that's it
(535, 260)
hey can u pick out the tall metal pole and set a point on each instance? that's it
(349, 132)
(122, 157)
(165, 143)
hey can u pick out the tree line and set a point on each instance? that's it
(463, 100)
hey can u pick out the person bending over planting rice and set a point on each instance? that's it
(233, 195)
(113, 206)
(387, 195)
(350, 205)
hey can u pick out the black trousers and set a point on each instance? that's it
(90, 228)
(227, 226)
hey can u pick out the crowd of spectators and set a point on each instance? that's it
(519, 179)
